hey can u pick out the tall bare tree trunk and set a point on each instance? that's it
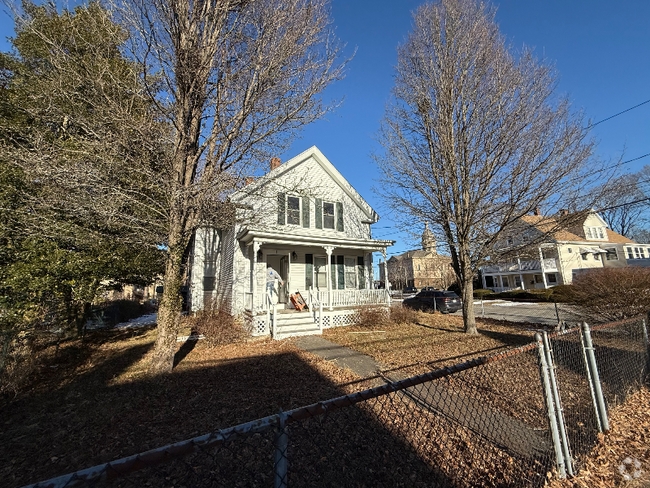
(169, 312)
(467, 289)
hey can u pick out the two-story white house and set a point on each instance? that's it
(304, 220)
(566, 245)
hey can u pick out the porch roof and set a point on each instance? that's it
(265, 237)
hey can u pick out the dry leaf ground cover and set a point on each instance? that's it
(622, 457)
(431, 341)
(94, 401)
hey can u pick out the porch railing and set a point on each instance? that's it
(348, 298)
(532, 265)
(314, 305)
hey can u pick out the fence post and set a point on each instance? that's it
(591, 382)
(557, 315)
(548, 397)
(647, 345)
(281, 445)
(559, 411)
(602, 409)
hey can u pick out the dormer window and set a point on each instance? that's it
(293, 210)
(594, 233)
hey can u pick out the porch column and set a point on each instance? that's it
(386, 281)
(521, 276)
(541, 265)
(483, 280)
(256, 247)
(328, 250)
(288, 280)
(366, 271)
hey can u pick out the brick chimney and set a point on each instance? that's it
(564, 212)
(249, 180)
(536, 212)
(275, 163)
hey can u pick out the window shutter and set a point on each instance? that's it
(309, 271)
(339, 216)
(281, 209)
(361, 272)
(333, 271)
(305, 212)
(319, 213)
(340, 264)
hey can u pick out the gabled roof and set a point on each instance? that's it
(558, 233)
(315, 154)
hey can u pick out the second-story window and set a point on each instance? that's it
(293, 210)
(328, 215)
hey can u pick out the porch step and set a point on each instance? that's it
(295, 324)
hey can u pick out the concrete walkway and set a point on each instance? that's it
(344, 357)
(501, 429)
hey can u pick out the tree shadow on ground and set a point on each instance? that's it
(114, 408)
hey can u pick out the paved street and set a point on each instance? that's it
(538, 313)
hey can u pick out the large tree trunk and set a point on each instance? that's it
(169, 312)
(467, 289)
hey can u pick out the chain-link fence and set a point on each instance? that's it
(560, 315)
(512, 419)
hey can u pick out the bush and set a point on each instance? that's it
(372, 317)
(482, 292)
(400, 314)
(611, 293)
(561, 293)
(217, 326)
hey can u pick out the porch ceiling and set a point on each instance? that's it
(249, 235)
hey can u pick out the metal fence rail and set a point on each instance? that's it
(503, 420)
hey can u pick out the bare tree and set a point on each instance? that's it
(474, 138)
(226, 85)
(623, 205)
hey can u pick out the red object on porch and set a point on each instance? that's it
(298, 301)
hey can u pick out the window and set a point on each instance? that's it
(637, 253)
(630, 255)
(209, 283)
(517, 281)
(509, 242)
(504, 280)
(552, 278)
(596, 256)
(588, 232)
(611, 255)
(293, 210)
(350, 273)
(320, 270)
(584, 256)
(570, 250)
(328, 215)
(418, 267)
(601, 234)
(642, 251)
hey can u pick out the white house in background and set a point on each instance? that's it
(566, 251)
(307, 222)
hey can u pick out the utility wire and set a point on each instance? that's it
(616, 115)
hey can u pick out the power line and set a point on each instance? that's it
(616, 115)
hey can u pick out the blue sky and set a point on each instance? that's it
(600, 49)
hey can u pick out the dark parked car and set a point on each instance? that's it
(409, 290)
(445, 301)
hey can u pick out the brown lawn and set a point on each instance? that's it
(432, 341)
(93, 402)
